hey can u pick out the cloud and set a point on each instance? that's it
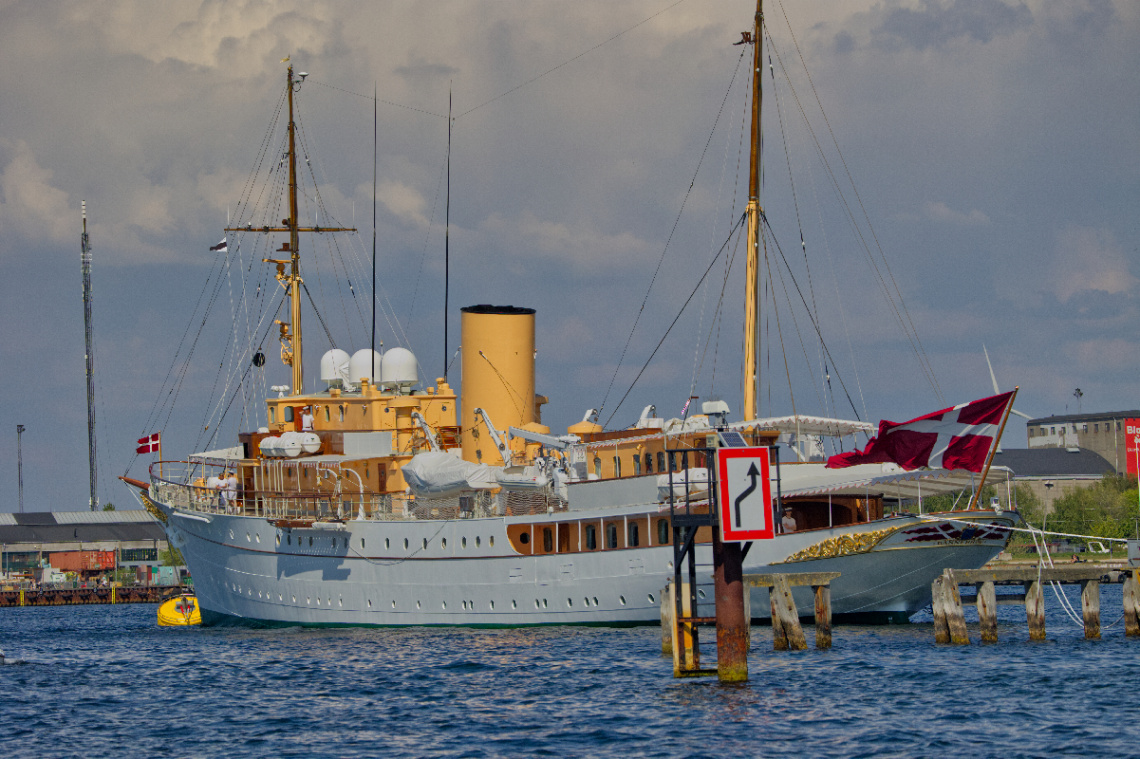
(1088, 259)
(939, 211)
(936, 23)
(403, 202)
(579, 246)
(30, 205)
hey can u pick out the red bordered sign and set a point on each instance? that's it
(745, 494)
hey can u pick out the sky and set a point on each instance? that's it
(978, 158)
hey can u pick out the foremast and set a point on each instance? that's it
(290, 279)
(752, 277)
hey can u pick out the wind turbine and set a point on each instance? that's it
(997, 390)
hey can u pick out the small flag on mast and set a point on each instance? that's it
(221, 247)
(149, 444)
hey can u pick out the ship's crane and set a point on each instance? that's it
(496, 437)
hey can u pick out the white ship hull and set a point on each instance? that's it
(464, 572)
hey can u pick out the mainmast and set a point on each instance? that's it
(88, 335)
(752, 280)
(291, 348)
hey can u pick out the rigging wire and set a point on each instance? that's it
(668, 240)
(892, 291)
(681, 311)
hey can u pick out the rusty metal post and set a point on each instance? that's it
(731, 625)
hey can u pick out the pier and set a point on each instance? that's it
(127, 594)
(947, 603)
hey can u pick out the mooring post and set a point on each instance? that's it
(822, 616)
(987, 612)
(1035, 610)
(748, 618)
(731, 626)
(955, 618)
(938, 606)
(785, 607)
(779, 635)
(1132, 605)
(1090, 608)
(668, 611)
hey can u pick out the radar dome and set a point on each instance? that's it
(334, 368)
(400, 369)
(358, 366)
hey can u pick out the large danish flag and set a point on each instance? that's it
(953, 438)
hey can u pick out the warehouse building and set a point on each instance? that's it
(1112, 434)
(40, 546)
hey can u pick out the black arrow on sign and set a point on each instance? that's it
(753, 473)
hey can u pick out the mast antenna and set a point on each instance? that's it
(88, 338)
(447, 237)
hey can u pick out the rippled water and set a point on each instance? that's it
(106, 681)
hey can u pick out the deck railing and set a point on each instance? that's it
(187, 486)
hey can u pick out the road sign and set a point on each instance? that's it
(744, 495)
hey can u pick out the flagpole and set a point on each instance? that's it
(993, 449)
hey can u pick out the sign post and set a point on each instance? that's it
(744, 513)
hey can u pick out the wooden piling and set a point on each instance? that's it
(938, 606)
(822, 616)
(668, 612)
(987, 612)
(779, 635)
(1132, 606)
(1090, 608)
(785, 607)
(955, 618)
(1035, 610)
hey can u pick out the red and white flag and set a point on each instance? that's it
(953, 438)
(149, 444)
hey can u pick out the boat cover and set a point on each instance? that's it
(438, 474)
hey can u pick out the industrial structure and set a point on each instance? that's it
(80, 545)
(1112, 434)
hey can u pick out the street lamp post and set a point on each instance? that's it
(20, 462)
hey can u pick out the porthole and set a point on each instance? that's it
(340, 601)
(362, 542)
(405, 544)
(258, 536)
(491, 541)
(231, 534)
(463, 543)
(524, 538)
(393, 604)
(443, 542)
(443, 604)
(294, 599)
(369, 603)
(622, 600)
(318, 600)
(310, 541)
(492, 604)
(387, 544)
(289, 539)
(328, 601)
(651, 598)
(585, 602)
(477, 541)
(700, 594)
(259, 594)
(278, 538)
(279, 597)
(537, 605)
(595, 600)
(545, 605)
(569, 603)
(425, 542)
(417, 604)
(309, 600)
(514, 604)
(248, 539)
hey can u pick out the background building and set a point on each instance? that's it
(82, 542)
(1112, 434)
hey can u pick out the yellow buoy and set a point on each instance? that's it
(179, 612)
